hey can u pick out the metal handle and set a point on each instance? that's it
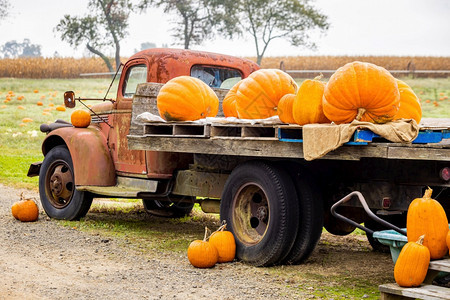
(366, 209)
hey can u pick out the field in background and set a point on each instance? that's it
(72, 68)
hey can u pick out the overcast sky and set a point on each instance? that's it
(358, 27)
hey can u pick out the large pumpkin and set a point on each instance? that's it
(258, 94)
(307, 108)
(409, 103)
(202, 254)
(186, 98)
(284, 108)
(412, 264)
(361, 91)
(427, 217)
(229, 102)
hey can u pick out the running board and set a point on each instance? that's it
(126, 187)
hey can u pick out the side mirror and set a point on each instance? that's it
(69, 99)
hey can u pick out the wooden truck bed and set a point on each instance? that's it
(271, 140)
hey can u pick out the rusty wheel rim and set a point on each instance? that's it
(250, 213)
(59, 184)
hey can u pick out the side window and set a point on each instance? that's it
(216, 76)
(135, 75)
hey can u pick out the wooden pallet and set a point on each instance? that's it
(392, 291)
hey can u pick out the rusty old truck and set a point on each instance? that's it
(274, 201)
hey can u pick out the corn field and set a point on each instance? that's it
(403, 63)
(50, 67)
(73, 67)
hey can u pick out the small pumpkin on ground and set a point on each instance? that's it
(427, 217)
(307, 108)
(361, 91)
(412, 264)
(202, 254)
(258, 94)
(80, 118)
(186, 98)
(225, 244)
(285, 108)
(25, 210)
(409, 103)
(229, 102)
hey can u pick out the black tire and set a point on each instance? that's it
(59, 197)
(310, 216)
(397, 220)
(259, 204)
(168, 208)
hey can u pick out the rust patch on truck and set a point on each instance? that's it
(92, 162)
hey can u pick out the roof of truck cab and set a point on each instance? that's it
(168, 63)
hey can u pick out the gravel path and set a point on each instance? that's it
(43, 260)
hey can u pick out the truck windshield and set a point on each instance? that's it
(218, 77)
(135, 75)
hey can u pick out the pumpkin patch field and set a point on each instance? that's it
(120, 250)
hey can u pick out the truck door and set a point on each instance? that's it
(125, 160)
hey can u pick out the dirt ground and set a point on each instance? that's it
(44, 260)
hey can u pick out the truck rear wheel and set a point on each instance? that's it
(59, 197)
(259, 204)
(310, 214)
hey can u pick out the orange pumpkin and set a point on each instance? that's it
(229, 102)
(15, 209)
(60, 108)
(427, 217)
(80, 118)
(409, 103)
(186, 98)
(307, 108)
(412, 264)
(361, 91)
(202, 254)
(25, 210)
(225, 244)
(258, 94)
(284, 108)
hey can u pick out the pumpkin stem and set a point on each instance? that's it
(420, 240)
(319, 77)
(361, 112)
(223, 226)
(428, 193)
(206, 233)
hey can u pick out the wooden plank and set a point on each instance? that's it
(440, 265)
(427, 292)
(254, 147)
(423, 153)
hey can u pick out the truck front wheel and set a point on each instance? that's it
(259, 204)
(59, 197)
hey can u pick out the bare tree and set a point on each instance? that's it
(103, 28)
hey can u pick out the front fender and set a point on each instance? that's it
(91, 158)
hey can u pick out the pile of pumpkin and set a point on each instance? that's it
(25, 210)
(428, 235)
(358, 90)
(220, 247)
